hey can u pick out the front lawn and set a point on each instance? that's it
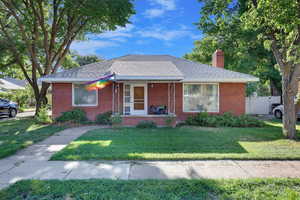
(17, 134)
(185, 143)
(260, 189)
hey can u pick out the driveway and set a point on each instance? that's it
(19, 115)
(33, 163)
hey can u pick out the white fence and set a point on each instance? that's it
(260, 105)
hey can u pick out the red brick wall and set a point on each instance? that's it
(232, 99)
(133, 121)
(62, 100)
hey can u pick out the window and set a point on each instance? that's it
(83, 97)
(201, 97)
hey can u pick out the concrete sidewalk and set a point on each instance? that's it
(32, 163)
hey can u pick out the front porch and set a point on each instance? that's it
(142, 100)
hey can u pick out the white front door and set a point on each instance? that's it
(139, 99)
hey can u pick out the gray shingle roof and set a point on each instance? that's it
(12, 84)
(141, 70)
(86, 72)
(150, 67)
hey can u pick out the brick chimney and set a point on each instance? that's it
(218, 58)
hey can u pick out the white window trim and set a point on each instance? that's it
(83, 105)
(185, 111)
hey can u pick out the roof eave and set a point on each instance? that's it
(224, 80)
(164, 78)
(65, 80)
(154, 78)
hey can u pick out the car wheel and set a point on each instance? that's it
(12, 112)
(278, 114)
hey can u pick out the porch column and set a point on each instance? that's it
(113, 98)
(118, 98)
(169, 99)
(174, 110)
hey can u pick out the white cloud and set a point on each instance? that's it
(103, 40)
(161, 7)
(167, 4)
(113, 35)
(166, 35)
(151, 13)
(91, 46)
(119, 39)
(120, 32)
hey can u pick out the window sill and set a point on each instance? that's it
(84, 105)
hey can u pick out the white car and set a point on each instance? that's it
(278, 112)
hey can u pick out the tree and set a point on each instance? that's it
(8, 64)
(276, 25)
(84, 60)
(222, 27)
(37, 34)
(278, 22)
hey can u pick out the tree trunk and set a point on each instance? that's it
(40, 102)
(289, 113)
(290, 74)
(275, 91)
(41, 99)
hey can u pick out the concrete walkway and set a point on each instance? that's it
(32, 163)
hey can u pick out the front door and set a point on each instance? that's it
(139, 95)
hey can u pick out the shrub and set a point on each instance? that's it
(116, 120)
(104, 118)
(76, 115)
(224, 120)
(146, 124)
(43, 117)
(170, 120)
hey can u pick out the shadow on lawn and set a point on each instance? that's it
(17, 134)
(117, 189)
(202, 189)
(167, 143)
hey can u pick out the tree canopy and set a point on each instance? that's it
(223, 28)
(84, 60)
(36, 34)
(251, 30)
(278, 24)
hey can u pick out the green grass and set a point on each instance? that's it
(17, 134)
(259, 189)
(185, 143)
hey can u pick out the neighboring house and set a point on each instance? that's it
(143, 82)
(8, 84)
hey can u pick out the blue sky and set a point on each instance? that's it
(158, 27)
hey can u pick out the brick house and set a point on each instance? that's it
(151, 87)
